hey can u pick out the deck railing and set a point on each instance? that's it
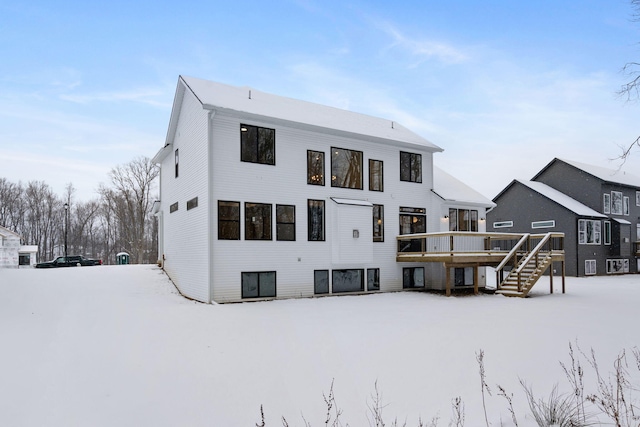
(455, 242)
(637, 245)
(510, 247)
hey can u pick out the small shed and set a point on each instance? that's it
(27, 256)
(122, 258)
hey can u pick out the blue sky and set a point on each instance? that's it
(502, 86)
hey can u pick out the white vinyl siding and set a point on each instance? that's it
(186, 231)
(296, 261)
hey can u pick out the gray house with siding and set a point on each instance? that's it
(597, 208)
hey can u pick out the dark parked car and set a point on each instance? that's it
(69, 261)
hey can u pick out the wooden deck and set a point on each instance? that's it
(471, 249)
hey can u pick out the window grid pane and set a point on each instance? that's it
(286, 222)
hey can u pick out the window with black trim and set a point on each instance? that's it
(258, 144)
(463, 220)
(346, 168)
(378, 223)
(228, 220)
(463, 276)
(257, 221)
(315, 220)
(347, 281)
(376, 181)
(193, 203)
(412, 221)
(315, 167)
(607, 232)
(413, 277)
(177, 162)
(321, 282)
(373, 279)
(173, 207)
(261, 284)
(410, 167)
(286, 222)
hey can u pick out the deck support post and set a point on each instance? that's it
(551, 278)
(563, 275)
(448, 278)
(476, 277)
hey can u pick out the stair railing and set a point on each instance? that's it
(533, 254)
(512, 255)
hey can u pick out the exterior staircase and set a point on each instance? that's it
(529, 266)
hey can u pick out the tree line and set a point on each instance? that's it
(120, 219)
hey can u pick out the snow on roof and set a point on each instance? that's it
(562, 199)
(454, 190)
(215, 95)
(621, 221)
(8, 233)
(605, 174)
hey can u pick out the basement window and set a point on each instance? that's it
(413, 277)
(259, 284)
(373, 279)
(347, 280)
(321, 282)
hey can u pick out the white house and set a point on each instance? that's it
(265, 197)
(12, 253)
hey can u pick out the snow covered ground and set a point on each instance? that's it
(118, 346)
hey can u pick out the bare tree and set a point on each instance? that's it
(130, 202)
(631, 89)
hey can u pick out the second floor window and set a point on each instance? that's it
(315, 167)
(410, 167)
(463, 220)
(258, 145)
(375, 175)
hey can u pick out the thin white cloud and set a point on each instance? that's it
(422, 50)
(145, 96)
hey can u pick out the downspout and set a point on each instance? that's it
(211, 203)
